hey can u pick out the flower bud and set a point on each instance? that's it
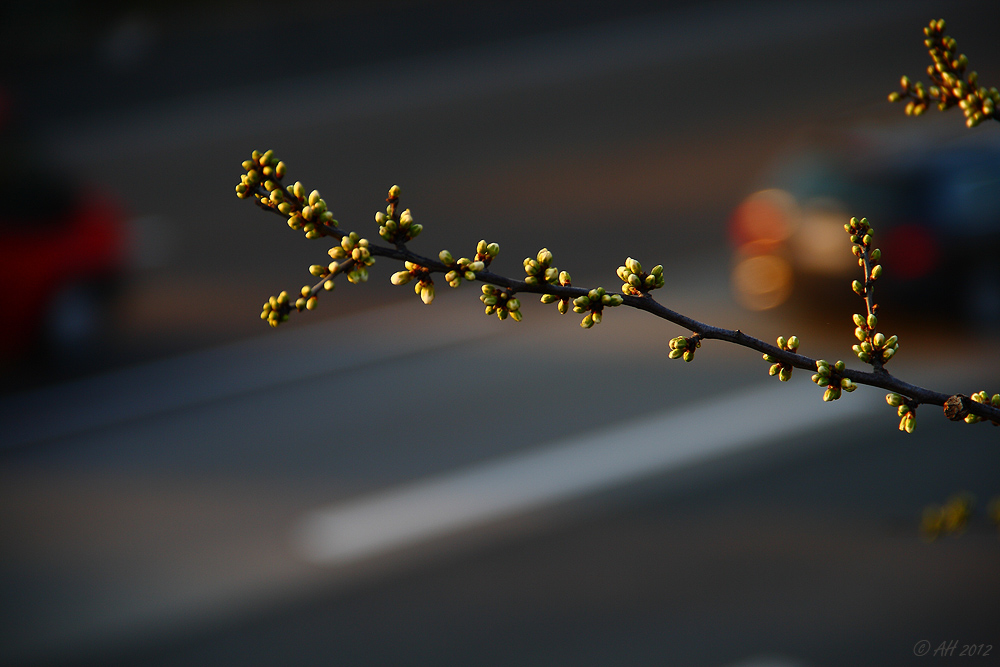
(401, 278)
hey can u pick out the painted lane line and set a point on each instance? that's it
(565, 470)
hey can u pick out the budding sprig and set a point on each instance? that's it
(906, 410)
(540, 270)
(781, 369)
(950, 85)
(593, 303)
(872, 347)
(636, 281)
(354, 255)
(262, 181)
(468, 268)
(501, 302)
(396, 229)
(684, 347)
(832, 379)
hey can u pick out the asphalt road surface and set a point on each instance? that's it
(401, 484)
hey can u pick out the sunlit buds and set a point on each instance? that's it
(878, 340)
(858, 288)
(501, 302)
(859, 320)
(872, 321)
(401, 278)
(684, 348)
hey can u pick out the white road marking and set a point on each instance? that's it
(443, 504)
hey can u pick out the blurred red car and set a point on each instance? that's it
(62, 251)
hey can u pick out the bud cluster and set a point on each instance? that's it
(782, 370)
(985, 399)
(906, 410)
(593, 303)
(681, 347)
(424, 287)
(468, 268)
(950, 85)
(636, 281)
(501, 302)
(540, 270)
(394, 228)
(830, 377)
(276, 309)
(355, 248)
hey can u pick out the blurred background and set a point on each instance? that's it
(380, 482)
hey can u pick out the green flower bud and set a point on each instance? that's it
(793, 343)
(329, 285)
(588, 321)
(872, 321)
(858, 288)
(477, 266)
(774, 369)
(657, 270)
(563, 307)
(839, 366)
(877, 272)
(891, 341)
(633, 265)
(544, 257)
(516, 315)
(311, 303)
(893, 399)
(427, 293)
(564, 278)
(676, 354)
(879, 340)
(446, 258)
(300, 303)
(415, 230)
(493, 249)
(394, 192)
(876, 255)
(549, 298)
(785, 374)
(634, 281)
(597, 316)
(782, 342)
(847, 385)
(688, 355)
(888, 353)
(513, 304)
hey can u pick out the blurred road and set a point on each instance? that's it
(186, 510)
